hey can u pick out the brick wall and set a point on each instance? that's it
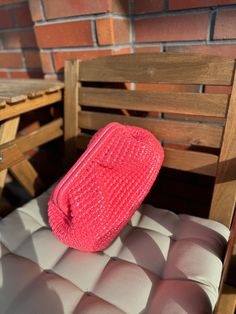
(36, 36)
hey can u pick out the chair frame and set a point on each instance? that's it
(173, 68)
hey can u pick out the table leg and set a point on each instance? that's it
(8, 130)
(28, 177)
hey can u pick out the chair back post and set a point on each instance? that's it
(71, 109)
(224, 194)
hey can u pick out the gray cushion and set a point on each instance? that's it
(160, 263)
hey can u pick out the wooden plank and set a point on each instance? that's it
(159, 68)
(227, 302)
(43, 135)
(28, 105)
(196, 162)
(17, 90)
(214, 105)
(10, 155)
(13, 98)
(224, 194)
(28, 177)
(71, 108)
(8, 131)
(166, 130)
(2, 103)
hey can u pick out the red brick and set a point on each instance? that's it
(218, 89)
(64, 34)
(121, 51)
(112, 31)
(32, 59)
(141, 6)
(36, 10)
(122, 31)
(60, 56)
(3, 74)
(148, 49)
(25, 74)
(217, 50)
(190, 4)
(64, 8)
(23, 16)
(19, 39)
(6, 18)
(105, 31)
(172, 28)
(225, 27)
(10, 60)
(46, 62)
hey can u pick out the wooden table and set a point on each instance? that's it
(18, 96)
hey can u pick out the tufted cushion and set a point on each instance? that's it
(160, 263)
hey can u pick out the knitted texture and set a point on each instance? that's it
(99, 194)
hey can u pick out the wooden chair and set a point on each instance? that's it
(113, 281)
(165, 68)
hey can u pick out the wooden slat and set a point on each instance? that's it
(28, 177)
(224, 194)
(196, 162)
(12, 98)
(20, 89)
(214, 105)
(43, 135)
(2, 103)
(227, 302)
(177, 159)
(28, 105)
(71, 108)
(166, 130)
(159, 68)
(10, 155)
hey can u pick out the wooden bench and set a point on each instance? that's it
(18, 96)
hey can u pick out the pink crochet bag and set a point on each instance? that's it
(99, 194)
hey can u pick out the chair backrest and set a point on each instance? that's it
(209, 132)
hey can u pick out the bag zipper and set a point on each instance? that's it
(63, 184)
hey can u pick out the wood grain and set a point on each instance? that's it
(166, 130)
(41, 136)
(29, 105)
(15, 90)
(71, 108)
(212, 105)
(11, 155)
(183, 103)
(159, 68)
(227, 302)
(2, 103)
(224, 195)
